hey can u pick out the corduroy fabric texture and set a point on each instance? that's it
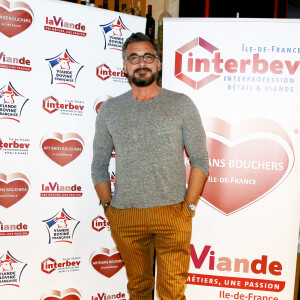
(137, 232)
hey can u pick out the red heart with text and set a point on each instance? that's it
(68, 294)
(69, 297)
(242, 174)
(15, 18)
(12, 190)
(107, 265)
(62, 152)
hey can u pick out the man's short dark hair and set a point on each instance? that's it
(135, 38)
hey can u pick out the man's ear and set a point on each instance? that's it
(124, 68)
(159, 65)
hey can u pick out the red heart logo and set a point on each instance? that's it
(68, 294)
(244, 171)
(62, 149)
(99, 102)
(15, 17)
(70, 297)
(241, 174)
(106, 264)
(12, 188)
(98, 105)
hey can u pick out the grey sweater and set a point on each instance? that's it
(149, 138)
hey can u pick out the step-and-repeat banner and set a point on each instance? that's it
(58, 62)
(244, 77)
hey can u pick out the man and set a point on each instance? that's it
(150, 209)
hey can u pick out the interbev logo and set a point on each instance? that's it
(104, 72)
(99, 223)
(49, 265)
(198, 63)
(69, 107)
(184, 63)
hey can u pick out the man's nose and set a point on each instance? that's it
(142, 62)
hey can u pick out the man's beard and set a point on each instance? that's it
(142, 81)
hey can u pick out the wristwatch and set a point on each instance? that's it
(191, 206)
(105, 206)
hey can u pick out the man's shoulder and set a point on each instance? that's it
(173, 93)
(175, 96)
(111, 102)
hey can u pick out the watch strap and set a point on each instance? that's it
(105, 206)
(191, 206)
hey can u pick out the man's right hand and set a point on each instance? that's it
(103, 191)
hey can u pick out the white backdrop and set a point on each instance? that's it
(243, 75)
(58, 62)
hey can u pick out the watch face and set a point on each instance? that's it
(106, 205)
(192, 207)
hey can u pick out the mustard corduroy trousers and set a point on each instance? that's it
(137, 232)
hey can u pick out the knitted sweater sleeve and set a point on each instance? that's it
(102, 148)
(194, 136)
